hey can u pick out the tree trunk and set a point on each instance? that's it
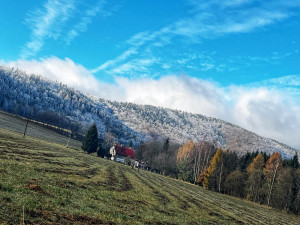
(272, 183)
(220, 177)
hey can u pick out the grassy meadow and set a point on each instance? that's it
(47, 183)
(34, 129)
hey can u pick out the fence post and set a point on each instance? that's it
(26, 128)
(69, 140)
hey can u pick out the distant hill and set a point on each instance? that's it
(51, 102)
(182, 126)
(36, 97)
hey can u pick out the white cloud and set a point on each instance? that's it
(270, 113)
(136, 65)
(207, 66)
(183, 92)
(68, 72)
(86, 19)
(206, 20)
(289, 85)
(112, 62)
(47, 23)
(269, 108)
(217, 18)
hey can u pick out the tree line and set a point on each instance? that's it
(257, 176)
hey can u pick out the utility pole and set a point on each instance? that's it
(26, 127)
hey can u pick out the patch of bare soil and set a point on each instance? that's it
(69, 184)
(35, 187)
(211, 213)
(3, 171)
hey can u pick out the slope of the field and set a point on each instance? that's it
(46, 183)
(18, 124)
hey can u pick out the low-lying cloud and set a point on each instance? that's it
(67, 72)
(271, 112)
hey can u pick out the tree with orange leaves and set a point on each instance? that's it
(193, 159)
(185, 150)
(213, 175)
(184, 159)
(273, 166)
(255, 177)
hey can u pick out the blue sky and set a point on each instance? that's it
(237, 60)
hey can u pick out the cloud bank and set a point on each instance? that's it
(269, 108)
(67, 72)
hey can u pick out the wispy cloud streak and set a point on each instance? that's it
(47, 23)
(123, 56)
(208, 19)
(85, 20)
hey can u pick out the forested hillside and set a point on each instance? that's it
(181, 126)
(51, 102)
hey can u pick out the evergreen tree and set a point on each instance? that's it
(166, 145)
(90, 141)
(235, 183)
(295, 161)
(130, 144)
(282, 196)
(184, 172)
(295, 190)
(296, 195)
(139, 151)
(102, 149)
(246, 159)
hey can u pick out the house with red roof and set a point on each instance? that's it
(119, 153)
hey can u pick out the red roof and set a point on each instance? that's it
(124, 151)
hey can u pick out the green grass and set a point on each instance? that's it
(17, 124)
(57, 185)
